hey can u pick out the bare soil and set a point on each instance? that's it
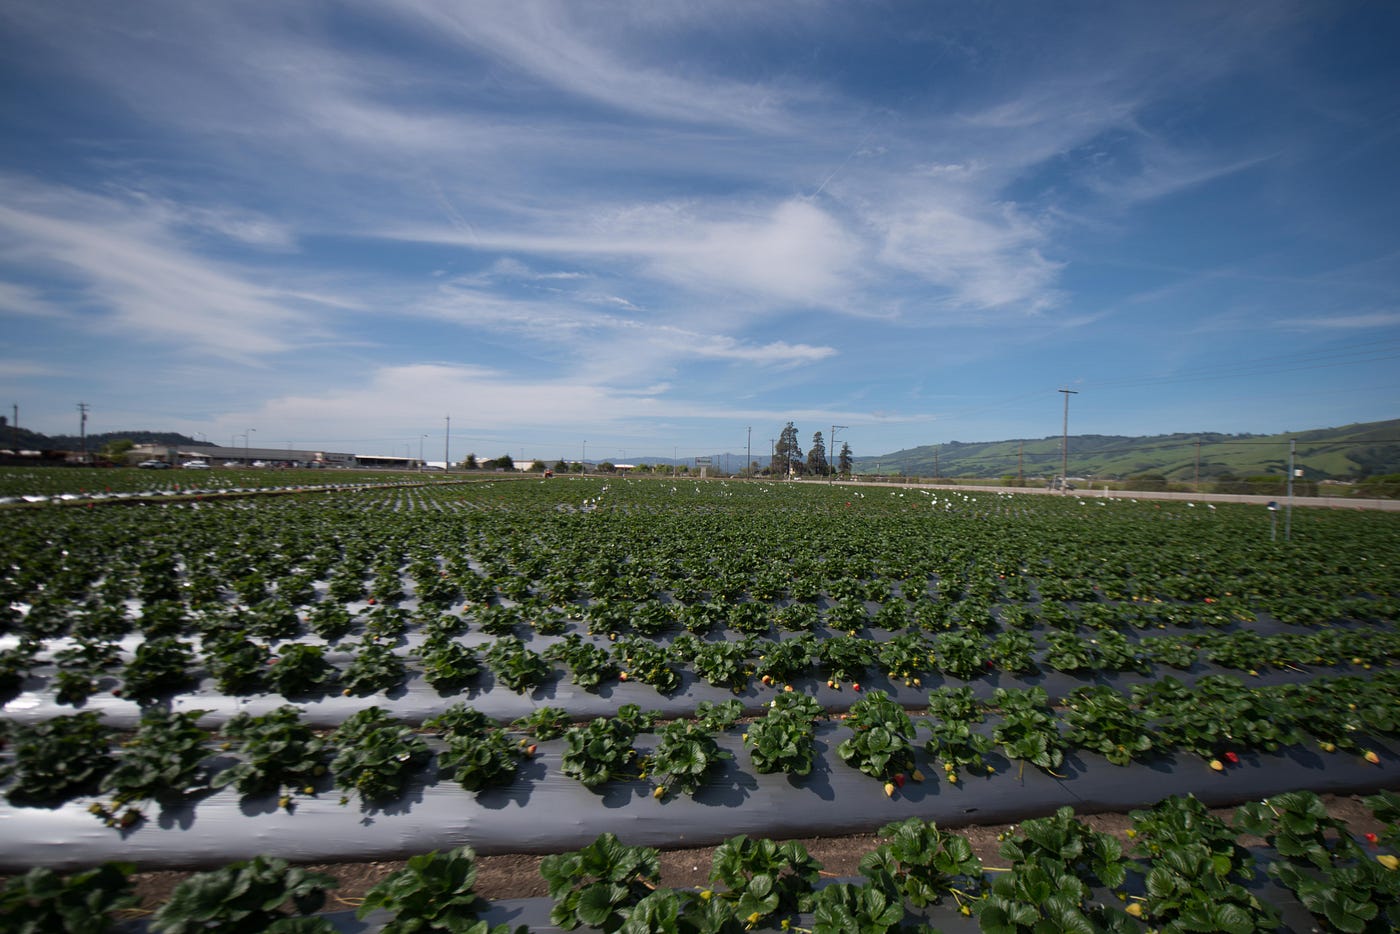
(518, 875)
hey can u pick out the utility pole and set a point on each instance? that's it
(1197, 487)
(935, 465)
(447, 445)
(831, 451)
(421, 439)
(1064, 445)
(1288, 516)
(82, 427)
(748, 451)
(1021, 464)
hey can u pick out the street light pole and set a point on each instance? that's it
(1064, 444)
(748, 451)
(247, 442)
(421, 439)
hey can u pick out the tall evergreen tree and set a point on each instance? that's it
(816, 457)
(844, 464)
(787, 458)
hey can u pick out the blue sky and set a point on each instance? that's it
(648, 226)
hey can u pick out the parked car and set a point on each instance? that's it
(195, 465)
(154, 465)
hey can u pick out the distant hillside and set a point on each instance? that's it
(1349, 452)
(33, 441)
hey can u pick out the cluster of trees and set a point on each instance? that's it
(789, 461)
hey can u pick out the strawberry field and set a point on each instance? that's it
(528, 666)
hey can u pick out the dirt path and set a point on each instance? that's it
(518, 876)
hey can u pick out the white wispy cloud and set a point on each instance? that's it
(580, 51)
(139, 280)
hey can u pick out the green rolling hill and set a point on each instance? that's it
(1348, 452)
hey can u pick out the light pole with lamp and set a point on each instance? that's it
(247, 442)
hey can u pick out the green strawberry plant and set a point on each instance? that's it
(599, 884)
(433, 892)
(845, 658)
(781, 661)
(461, 720)
(906, 657)
(922, 863)
(763, 879)
(1101, 720)
(447, 665)
(1198, 874)
(516, 666)
(1062, 840)
(952, 714)
(701, 618)
(1069, 653)
(544, 723)
(373, 668)
(237, 664)
(648, 663)
(684, 754)
(1027, 729)
(376, 756)
(599, 752)
(247, 896)
(163, 762)
(797, 617)
(723, 664)
(279, 754)
(851, 908)
(41, 900)
(57, 759)
(651, 618)
(481, 761)
(960, 655)
(880, 744)
(784, 739)
(386, 622)
(1322, 863)
(715, 717)
(330, 620)
(1172, 651)
(591, 666)
(1013, 651)
(301, 670)
(160, 667)
(1385, 807)
(1041, 896)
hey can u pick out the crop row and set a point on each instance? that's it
(1184, 870)
(550, 547)
(171, 760)
(251, 659)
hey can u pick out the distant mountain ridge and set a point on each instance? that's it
(34, 441)
(1349, 452)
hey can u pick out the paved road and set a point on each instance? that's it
(1326, 502)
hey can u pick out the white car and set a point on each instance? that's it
(195, 465)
